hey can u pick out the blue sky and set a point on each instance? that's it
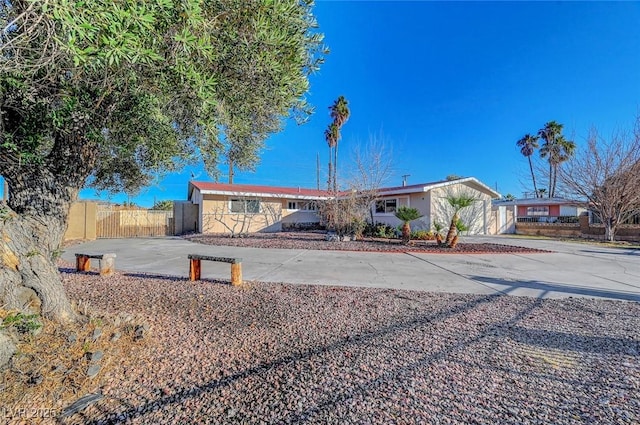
(452, 86)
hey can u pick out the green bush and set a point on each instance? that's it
(423, 235)
(379, 230)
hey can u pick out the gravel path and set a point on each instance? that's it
(275, 353)
(317, 241)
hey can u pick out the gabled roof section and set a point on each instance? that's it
(208, 188)
(425, 187)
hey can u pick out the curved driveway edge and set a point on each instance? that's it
(572, 270)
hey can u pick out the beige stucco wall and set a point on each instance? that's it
(476, 216)
(217, 218)
(81, 223)
(434, 206)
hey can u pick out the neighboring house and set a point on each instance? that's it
(543, 209)
(240, 208)
(430, 199)
(535, 210)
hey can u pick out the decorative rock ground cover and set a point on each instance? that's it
(316, 240)
(276, 353)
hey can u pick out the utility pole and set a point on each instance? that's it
(404, 179)
(230, 171)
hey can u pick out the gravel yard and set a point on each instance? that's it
(275, 353)
(316, 240)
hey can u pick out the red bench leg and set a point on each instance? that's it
(83, 264)
(194, 269)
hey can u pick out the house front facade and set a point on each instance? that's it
(430, 199)
(238, 208)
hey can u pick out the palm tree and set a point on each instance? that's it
(566, 150)
(340, 114)
(331, 135)
(458, 202)
(438, 227)
(460, 227)
(554, 149)
(407, 214)
(528, 145)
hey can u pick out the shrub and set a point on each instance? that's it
(423, 235)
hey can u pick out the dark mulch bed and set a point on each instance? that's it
(316, 240)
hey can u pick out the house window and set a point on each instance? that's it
(537, 210)
(310, 206)
(386, 206)
(304, 206)
(251, 206)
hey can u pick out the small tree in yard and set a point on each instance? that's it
(371, 164)
(406, 215)
(370, 169)
(113, 93)
(460, 227)
(607, 175)
(457, 202)
(344, 214)
(438, 228)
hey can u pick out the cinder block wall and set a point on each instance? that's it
(81, 223)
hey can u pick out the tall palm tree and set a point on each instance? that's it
(566, 149)
(528, 145)
(458, 202)
(331, 135)
(550, 149)
(557, 149)
(340, 113)
(407, 214)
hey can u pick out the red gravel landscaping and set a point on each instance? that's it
(317, 241)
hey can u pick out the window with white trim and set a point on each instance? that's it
(304, 206)
(386, 206)
(247, 206)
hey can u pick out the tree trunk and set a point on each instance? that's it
(550, 180)
(29, 277)
(610, 231)
(335, 169)
(32, 227)
(406, 233)
(330, 178)
(533, 177)
(452, 230)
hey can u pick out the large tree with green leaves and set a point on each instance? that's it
(111, 92)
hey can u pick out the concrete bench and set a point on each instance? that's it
(195, 267)
(107, 263)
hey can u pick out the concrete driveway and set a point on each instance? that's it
(572, 270)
